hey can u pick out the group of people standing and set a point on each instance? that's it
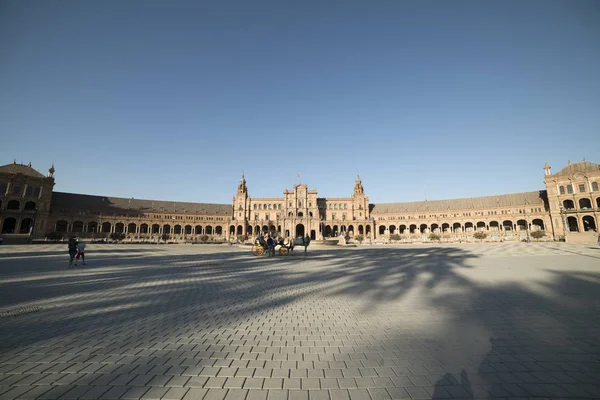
(76, 250)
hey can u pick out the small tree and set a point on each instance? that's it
(395, 237)
(359, 238)
(204, 238)
(480, 235)
(118, 236)
(55, 236)
(538, 234)
(165, 237)
(434, 237)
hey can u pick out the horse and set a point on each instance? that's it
(301, 241)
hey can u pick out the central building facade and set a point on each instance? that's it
(301, 212)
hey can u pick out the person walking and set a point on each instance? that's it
(80, 252)
(72, 250)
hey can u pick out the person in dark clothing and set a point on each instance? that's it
(72, 250)
(270, 246)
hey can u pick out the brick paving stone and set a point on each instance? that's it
(55, 392)
(36, 392)
(135, 393)
(215, 383)
(418, 392)
(318, 395)
(194, 394)
(234, 383)
(277, 394)
(379, 394)
(273, 383)
(215, 394)
(339, 394)
(15, 392)
(359, 394)
(76, 392)
(253, 383)
(95, 392)
(298, 395)
(257, 395)
(178, 381)
(236, 394)
(155, 393)
(115, 392)
(175, 393)
(397, 393)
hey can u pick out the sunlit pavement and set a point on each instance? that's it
(501, 320)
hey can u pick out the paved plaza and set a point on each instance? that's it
(213, 322)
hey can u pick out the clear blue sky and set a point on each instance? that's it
(173, 100)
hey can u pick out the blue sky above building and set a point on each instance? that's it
(174, 100)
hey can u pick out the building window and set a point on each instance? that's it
(345, 206)
(3, 187)
(562, 190)
(595, 186)
(570, 189)
(581, 188)
(267, 216)
(17, 190)
(310, 204)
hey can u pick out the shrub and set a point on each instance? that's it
(480, 235)
(359, 238)
(165, 237)
(434, 237)
(395, 237)
(117, 236)
(55, 236)
(204, 238)
(538, 234)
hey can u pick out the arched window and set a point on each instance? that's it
(570, 189)
(255, 207)
(595, 186)
(13, 205)
(335, 206)
(310, 203)
(562, 190)
(345, 206)
(30, 206)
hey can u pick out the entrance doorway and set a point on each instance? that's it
(299, 230)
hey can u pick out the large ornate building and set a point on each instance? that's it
(569, 207)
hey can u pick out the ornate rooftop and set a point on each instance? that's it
(15, 168)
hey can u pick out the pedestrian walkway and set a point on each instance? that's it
(213, 322)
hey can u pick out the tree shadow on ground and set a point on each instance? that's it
(475, 340)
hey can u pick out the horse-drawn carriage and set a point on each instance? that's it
(283, 247)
